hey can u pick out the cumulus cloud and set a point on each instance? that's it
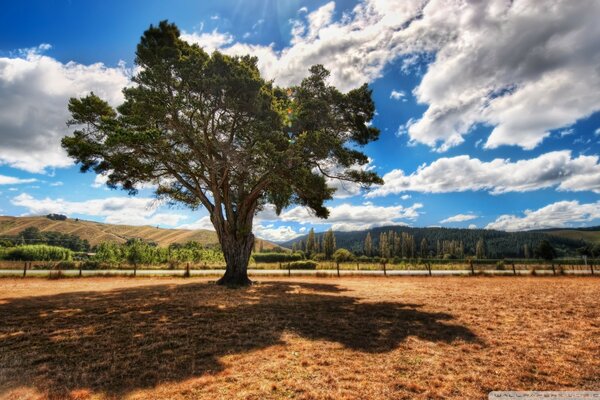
(275, 233)
(348, 217)
(202, 223)
(501, 63)
(10, 180)
(555, 215)
(114, 210)
(463, 173)
(459, 218)
(34, 92)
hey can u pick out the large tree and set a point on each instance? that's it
(208, 131)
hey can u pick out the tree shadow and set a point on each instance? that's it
(117, 341)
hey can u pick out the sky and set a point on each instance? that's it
(489, 111)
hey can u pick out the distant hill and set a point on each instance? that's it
(590, 234)
(97, 232)
(499, 244)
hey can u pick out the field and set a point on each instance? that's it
(350, 338)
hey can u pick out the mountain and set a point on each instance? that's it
(589, 234)
(97, 232)
(499, 244)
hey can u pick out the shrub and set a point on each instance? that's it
(305, 264)
(277, 257)
(500, 266)
(343, 255)
(319, 257)
(36, 252)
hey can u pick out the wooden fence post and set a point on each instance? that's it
(80, 272)
(553, 269)
(429, 268)
(592, 267)
(24, 269)
(384, 269)
(514, 270)
(472, 269)
(289, 269)
(337, 264)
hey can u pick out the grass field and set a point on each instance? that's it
(351, 338)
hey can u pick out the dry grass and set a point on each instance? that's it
(350, 338)
(97, 232)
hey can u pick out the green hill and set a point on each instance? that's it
(499, 244)
(97, 232)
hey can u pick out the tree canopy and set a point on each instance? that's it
(207, 130)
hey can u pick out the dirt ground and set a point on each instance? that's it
(305, 338)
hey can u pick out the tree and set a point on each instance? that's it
(480, 249)
(545, 251)
(208, 131)
(424, 248)
(340, 256)
(329, 244)
(384, 246)
(311, 244)
(368, 247)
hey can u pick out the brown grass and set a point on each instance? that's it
(350, 338)
(97, 232)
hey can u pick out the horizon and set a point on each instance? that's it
(477, 130)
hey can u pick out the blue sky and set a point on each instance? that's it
(489, 113)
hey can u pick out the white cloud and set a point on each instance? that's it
(463, 173)
(275, 233)
(472, 226)
(597, 131)
(355, 49)
(10, 180)
(346, 217)
(57, 183)
(398, 95)
(210, 41)
(500, 63)
(555, 215)
(506, 64)
(459, 218)
(405, 196)
(114, 210)
(34, 92)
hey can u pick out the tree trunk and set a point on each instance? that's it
(237, 253)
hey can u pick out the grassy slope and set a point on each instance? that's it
(96, 232)
(590, 236)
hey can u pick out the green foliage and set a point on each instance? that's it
(36, 252)
(277, 257)
(139, 252)
(329, 244)
(343, 255)
(33, 236)
(459, 242)
(209, 131)
(304, 264)
(545, 251)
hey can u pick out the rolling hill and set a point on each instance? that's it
(97, 232)
(591, 234)
(499, 244)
